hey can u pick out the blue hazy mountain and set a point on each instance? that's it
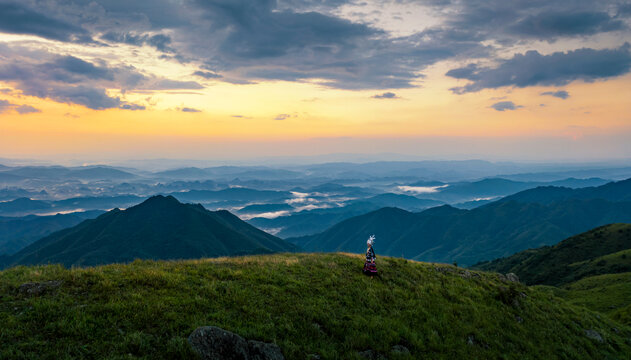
(158, 228)
(501, 228)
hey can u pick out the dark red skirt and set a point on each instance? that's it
(370, 268)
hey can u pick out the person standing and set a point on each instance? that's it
(370, 266)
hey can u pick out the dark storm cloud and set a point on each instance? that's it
(505, 105)
(190, 110)
(557, 69)
(16, 18)
(561, 94)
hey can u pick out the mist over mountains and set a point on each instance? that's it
(333, 206)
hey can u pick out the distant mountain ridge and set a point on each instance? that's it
(159, 228)
(19, 232)
(501, 228)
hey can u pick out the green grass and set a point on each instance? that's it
(617, 262)
(305, 303)
(603, 250)
(609, 294)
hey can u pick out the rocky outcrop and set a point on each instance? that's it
(38, 288)
(213, 343)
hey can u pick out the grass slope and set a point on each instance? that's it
(306, 303)
(609, 294)
(598, 251)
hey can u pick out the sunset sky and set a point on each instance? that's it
(231, 79)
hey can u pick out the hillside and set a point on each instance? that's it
(598, 251)
(608, 293)
(18, 232)
(159, 228)
(317, 304)
(446, 234)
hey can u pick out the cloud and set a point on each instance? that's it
(6, 106)
(561, 94)
(167, 84)
(207, 74)
(547, 25)
(69, 79)
(513, 21)
(556, 69)
(16, 18)
(127, 106)
(26, 109)
(282, 116)
(505, 105)
(302, 40)
(159, 41)
(190, 110)
(386, 95)
(266, 40)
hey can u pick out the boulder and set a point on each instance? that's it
(38, 288)
(259, 350)
(400, 350)
(213, 343)
(592, 334)
(512, 277)
(371, 355)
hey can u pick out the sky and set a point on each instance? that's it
(528, 80)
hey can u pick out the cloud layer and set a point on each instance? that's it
(557, 69)
(245, 42)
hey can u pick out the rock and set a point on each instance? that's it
(313, 357)
(259, 350)
(38, 288)
(400, 350)
(594, 335)
(512, 277)
(470, 340)
(465, 274)
(444, 270)
(371, 355)
(214, 343)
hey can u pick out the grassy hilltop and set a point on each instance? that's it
(306, 303)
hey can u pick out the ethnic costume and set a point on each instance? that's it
(370, 267)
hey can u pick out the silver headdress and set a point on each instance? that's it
(371, 240)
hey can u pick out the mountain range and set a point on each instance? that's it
(18, 232)
(159, 228)
(445, 234)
